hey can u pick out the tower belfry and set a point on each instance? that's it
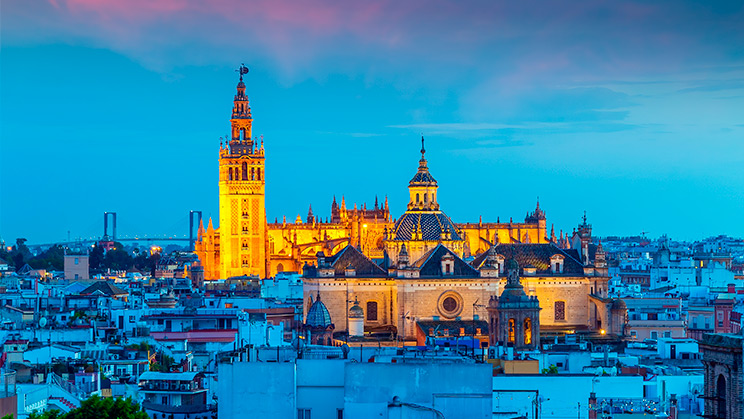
(242, 194)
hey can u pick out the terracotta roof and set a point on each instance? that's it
(430, 264)
(537, 255)
(351, 257)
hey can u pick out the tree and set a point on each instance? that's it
(96, 257)
(52, 258)
(96, 407)
(552, 369)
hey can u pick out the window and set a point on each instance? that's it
(77, 261)
(528, 331)
(667, 334)
(303, 413)
(654, 335)
(511, 331)
(77, 276)
(164, 400)
(449, 304)
(372, 311)
(633, 334)
(560, 310)
(339, 413)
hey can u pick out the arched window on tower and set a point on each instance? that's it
(230, 174)
(245, 171)
(527, 331)
(237, 174)
(512, 331)
(253, 173)
(259, 174)
(417, 198)
(242, 134)
(426, 198)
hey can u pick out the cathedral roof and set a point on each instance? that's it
(430, 264)
(351, 257)
(422, 177)
(431, 224)
(537, 255)
(318, 315)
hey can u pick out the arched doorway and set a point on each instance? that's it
(721, 397)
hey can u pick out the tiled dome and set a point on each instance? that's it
(318, 315)
(432, 225)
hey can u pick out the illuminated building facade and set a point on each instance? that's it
(246, 244)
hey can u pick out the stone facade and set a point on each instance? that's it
(722, 358)
(513, 316)
(396, 298)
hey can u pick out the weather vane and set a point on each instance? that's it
(242, 70)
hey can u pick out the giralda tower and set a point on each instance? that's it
(242, 195)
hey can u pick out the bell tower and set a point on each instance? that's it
(242, 194)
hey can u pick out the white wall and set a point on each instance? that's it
(457, 390)
(559, 395)
(263, 390)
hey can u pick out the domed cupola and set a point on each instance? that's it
(318, 315)
(423, 226)
(423, 187)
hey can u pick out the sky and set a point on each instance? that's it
(630, 110)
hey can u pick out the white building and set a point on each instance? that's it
(340, 389)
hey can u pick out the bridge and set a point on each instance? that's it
(110, 219)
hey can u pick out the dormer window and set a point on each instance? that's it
(448, 264)
(500, 263)
(556, 264)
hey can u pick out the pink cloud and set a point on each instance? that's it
(515, 41)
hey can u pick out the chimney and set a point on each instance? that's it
(593, 405)
(673, 412)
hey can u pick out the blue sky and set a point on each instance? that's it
(632, 111)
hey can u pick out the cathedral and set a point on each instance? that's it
(245, 243)
(399, 271)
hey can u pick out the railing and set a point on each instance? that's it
(190, 408)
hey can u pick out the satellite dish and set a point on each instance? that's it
(42, 322)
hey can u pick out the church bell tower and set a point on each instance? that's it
(242, 194)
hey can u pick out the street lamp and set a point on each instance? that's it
(472, 343)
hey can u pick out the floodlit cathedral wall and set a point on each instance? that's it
(402, 302)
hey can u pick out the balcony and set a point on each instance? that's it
(189, 408)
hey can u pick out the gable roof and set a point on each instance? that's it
(536, 255)
(103, 287)
(351, 257)
(430, 264)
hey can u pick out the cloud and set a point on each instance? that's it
(519, 41)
